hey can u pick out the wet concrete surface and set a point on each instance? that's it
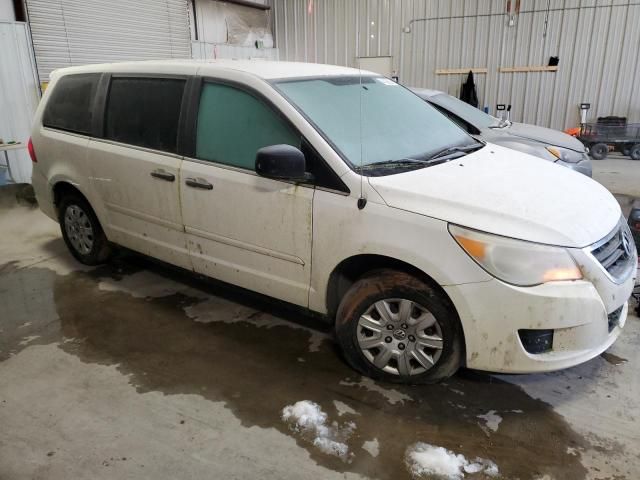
(619, 174)
(136, 369)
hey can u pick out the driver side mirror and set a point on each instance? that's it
(282, 162)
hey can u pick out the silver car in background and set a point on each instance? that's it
(545, 143)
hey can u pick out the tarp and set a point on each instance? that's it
(468, 91)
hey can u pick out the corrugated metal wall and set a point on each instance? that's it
(19, 95)
(206, 51)
(77, 32)
(597, 41)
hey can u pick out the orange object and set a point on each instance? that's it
(574, 131)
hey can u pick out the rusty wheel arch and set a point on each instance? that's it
(62, 188)
(351, 269)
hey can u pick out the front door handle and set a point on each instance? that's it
(198, 183)
(163, 175)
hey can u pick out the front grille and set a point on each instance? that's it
(616, 251)
(614, 318)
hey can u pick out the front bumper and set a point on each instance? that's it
(493, 312)
(583, 166)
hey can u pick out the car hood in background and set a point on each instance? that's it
(508, 193)
(542, 135)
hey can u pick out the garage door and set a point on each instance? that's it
(77, 32)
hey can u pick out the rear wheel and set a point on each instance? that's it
(634, 152)
(599, 151)
(81, 231)
(393, 327)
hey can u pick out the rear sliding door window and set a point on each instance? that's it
(144, 112)
(70, 106)
(233, 125)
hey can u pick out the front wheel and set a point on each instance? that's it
(393, 327)
(82, 232)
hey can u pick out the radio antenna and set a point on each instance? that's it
(362, 201)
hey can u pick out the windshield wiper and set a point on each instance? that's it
(453, 152)
(440, 157)
(400, 163)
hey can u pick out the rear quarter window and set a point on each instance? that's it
(70, 106)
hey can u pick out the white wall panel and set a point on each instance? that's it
(7, 12)
(19, 95)
(598, 43)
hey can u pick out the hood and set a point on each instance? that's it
(508, 193)
(543, 135)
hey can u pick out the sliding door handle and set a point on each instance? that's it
(198, 183)
(163, 175)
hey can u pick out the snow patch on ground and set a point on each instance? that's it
(393, 396)
(332, 447)
(307, 418)
(572, 451)
(27, 340)
(491, 420)
(423, 460)
(343, 408)
(372, 446)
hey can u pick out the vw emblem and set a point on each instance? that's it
(400, 334)
(627, 242)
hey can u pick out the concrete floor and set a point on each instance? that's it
(137, 370)
(619, 174)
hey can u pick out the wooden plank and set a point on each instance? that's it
(11, 146)
(540, 68)
(457, 71)
(249, 3)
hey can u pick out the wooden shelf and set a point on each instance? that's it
(458, 71)
(249, 3)
(540, 68)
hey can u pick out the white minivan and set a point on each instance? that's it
(342, 192)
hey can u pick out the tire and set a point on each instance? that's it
(634, 152)
(626, 150)
(81, 231)
(358, 318)
(599, 151)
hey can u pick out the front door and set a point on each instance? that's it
(241, 228)
(135, 168)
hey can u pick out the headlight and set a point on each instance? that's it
(515, 261)
(566, 155)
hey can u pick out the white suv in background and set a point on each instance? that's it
(343, 193)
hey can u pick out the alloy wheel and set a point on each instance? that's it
(400, 336)
(79, 230)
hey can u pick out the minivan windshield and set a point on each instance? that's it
(374, 122)
(468, 113)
